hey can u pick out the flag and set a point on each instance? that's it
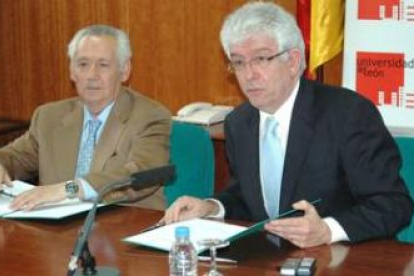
(326, 31)
(303, 12)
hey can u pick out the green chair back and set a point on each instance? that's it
(191, 150)
(406, 146)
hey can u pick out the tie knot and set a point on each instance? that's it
(271, 124)
(93, 125)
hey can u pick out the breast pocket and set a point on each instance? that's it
(323, 183)
(321, 170)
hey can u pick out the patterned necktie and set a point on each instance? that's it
(87, 148)
(271, 166)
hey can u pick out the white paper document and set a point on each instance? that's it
(163, 237)
(56, 210)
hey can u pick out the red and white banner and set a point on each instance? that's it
(379, 57)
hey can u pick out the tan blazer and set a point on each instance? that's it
(135, 137)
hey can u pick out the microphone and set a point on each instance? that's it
(137, 181)
(152, 177)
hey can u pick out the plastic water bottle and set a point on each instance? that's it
(183, 258)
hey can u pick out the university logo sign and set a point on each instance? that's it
(386, 10)
(381, 78)
(379, 57)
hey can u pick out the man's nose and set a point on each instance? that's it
(93, 71)
(250, 71)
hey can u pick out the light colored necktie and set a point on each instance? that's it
(271, 166)
(87, 148)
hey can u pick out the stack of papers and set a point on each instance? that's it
(163, 237)
(56, 210)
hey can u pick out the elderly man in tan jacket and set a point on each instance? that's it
(131, 132)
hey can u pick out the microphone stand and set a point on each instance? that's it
(88, 261)
(81, 251)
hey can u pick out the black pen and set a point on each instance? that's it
(153, 227)
(218, 259)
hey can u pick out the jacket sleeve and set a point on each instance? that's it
(20, 157)
(372, 163)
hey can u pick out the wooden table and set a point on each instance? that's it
(43, 248)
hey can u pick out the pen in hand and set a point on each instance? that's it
(3, 192)
(7, 192)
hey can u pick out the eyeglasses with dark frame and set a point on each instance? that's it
(260, 62)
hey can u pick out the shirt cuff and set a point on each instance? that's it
(337, 231)
(221, 213)
(89, 193)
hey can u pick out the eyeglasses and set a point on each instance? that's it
(259, 62)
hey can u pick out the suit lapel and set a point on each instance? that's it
(112, 131)
(252, 157)
(65, 140)
(300, 134)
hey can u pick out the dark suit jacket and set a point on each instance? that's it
(338, 150)
(135, 137)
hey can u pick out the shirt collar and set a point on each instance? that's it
(283, 116)
(284, 112)
(102, 116)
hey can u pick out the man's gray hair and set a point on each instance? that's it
(123, 46)
(263, 18)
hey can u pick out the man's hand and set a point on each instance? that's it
(38, 196)
(187, 207)
(307, 231)
(4, 177)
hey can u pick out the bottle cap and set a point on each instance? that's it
(182, 232)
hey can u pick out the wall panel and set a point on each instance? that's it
(176, 51)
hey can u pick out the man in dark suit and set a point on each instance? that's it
(332, 142)
(131, 131)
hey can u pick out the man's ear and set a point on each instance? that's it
(294, 62)
(71, 74)
(126, 71)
